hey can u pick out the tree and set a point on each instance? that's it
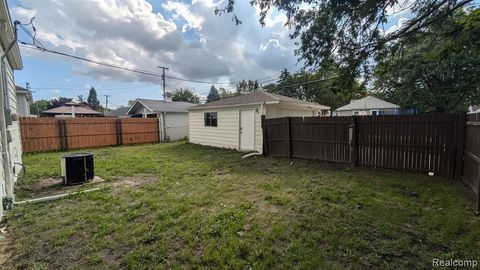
(224, 93)
(38, 106)
(437, 70)
(185, 95)
(245, 87)
(325, 86)
(80, 98)
(57, 102)
(352, 32)
(213, 94)
(92, 99)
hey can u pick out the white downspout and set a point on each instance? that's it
(164, 126)
(3, 135)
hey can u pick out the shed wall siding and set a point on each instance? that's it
(391, 111)
(176, 125)
(279, 110)
(226, 134)
(22, 106)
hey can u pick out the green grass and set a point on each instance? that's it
(208, 208)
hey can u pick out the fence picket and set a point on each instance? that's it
(53, 134)
(416, 143)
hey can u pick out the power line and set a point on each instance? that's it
(139, 71)
(306, 82)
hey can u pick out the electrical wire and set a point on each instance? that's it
(39, 46)
(32, 46)
(306, 82)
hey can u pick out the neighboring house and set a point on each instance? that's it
(72, 109)
(474, 109)
(24, 100)
(119, 112)
(235, 122)
(10, 142)
(172, 115)
(368, 106)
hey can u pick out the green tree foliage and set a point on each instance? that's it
(245, 87)
(57, 102)
(92, 99)
(80, 98)
(354, 30)
(185, 95)
(213, 95)
(324, 86)
(437, 70)
(224, 93)
(38, 106)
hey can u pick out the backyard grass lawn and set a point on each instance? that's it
(202, 207)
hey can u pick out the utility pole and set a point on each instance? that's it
(163, 79)
(27, 85)
(106, 101)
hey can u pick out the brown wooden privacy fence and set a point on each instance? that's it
(471, 165)
(415, 143)
(52, 134)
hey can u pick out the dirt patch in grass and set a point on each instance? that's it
(54, 186)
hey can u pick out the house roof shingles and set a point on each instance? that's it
(368, 103)
(68, 110)
(122, 111)
(164, 106)
(256, 97)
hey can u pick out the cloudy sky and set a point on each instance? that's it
(185, 36)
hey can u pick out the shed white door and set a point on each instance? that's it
(247, 130)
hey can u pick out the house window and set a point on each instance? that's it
(377, 112)
(210, 119)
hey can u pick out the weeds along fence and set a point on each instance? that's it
(447, 145)
(53, 134)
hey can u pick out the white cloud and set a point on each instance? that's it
(180, 9)
(396, 26)
(130, 33)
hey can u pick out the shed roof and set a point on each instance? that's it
(68, 110)
(368, 103)
(257, 97)
(162, 105)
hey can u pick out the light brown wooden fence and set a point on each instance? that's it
(53, 134)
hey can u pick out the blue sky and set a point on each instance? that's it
(185, 36)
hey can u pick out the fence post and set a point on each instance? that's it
(118, 130)
(288, 147)
(62, 126)
(460, 137)
(353, 141)
(264, 132)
